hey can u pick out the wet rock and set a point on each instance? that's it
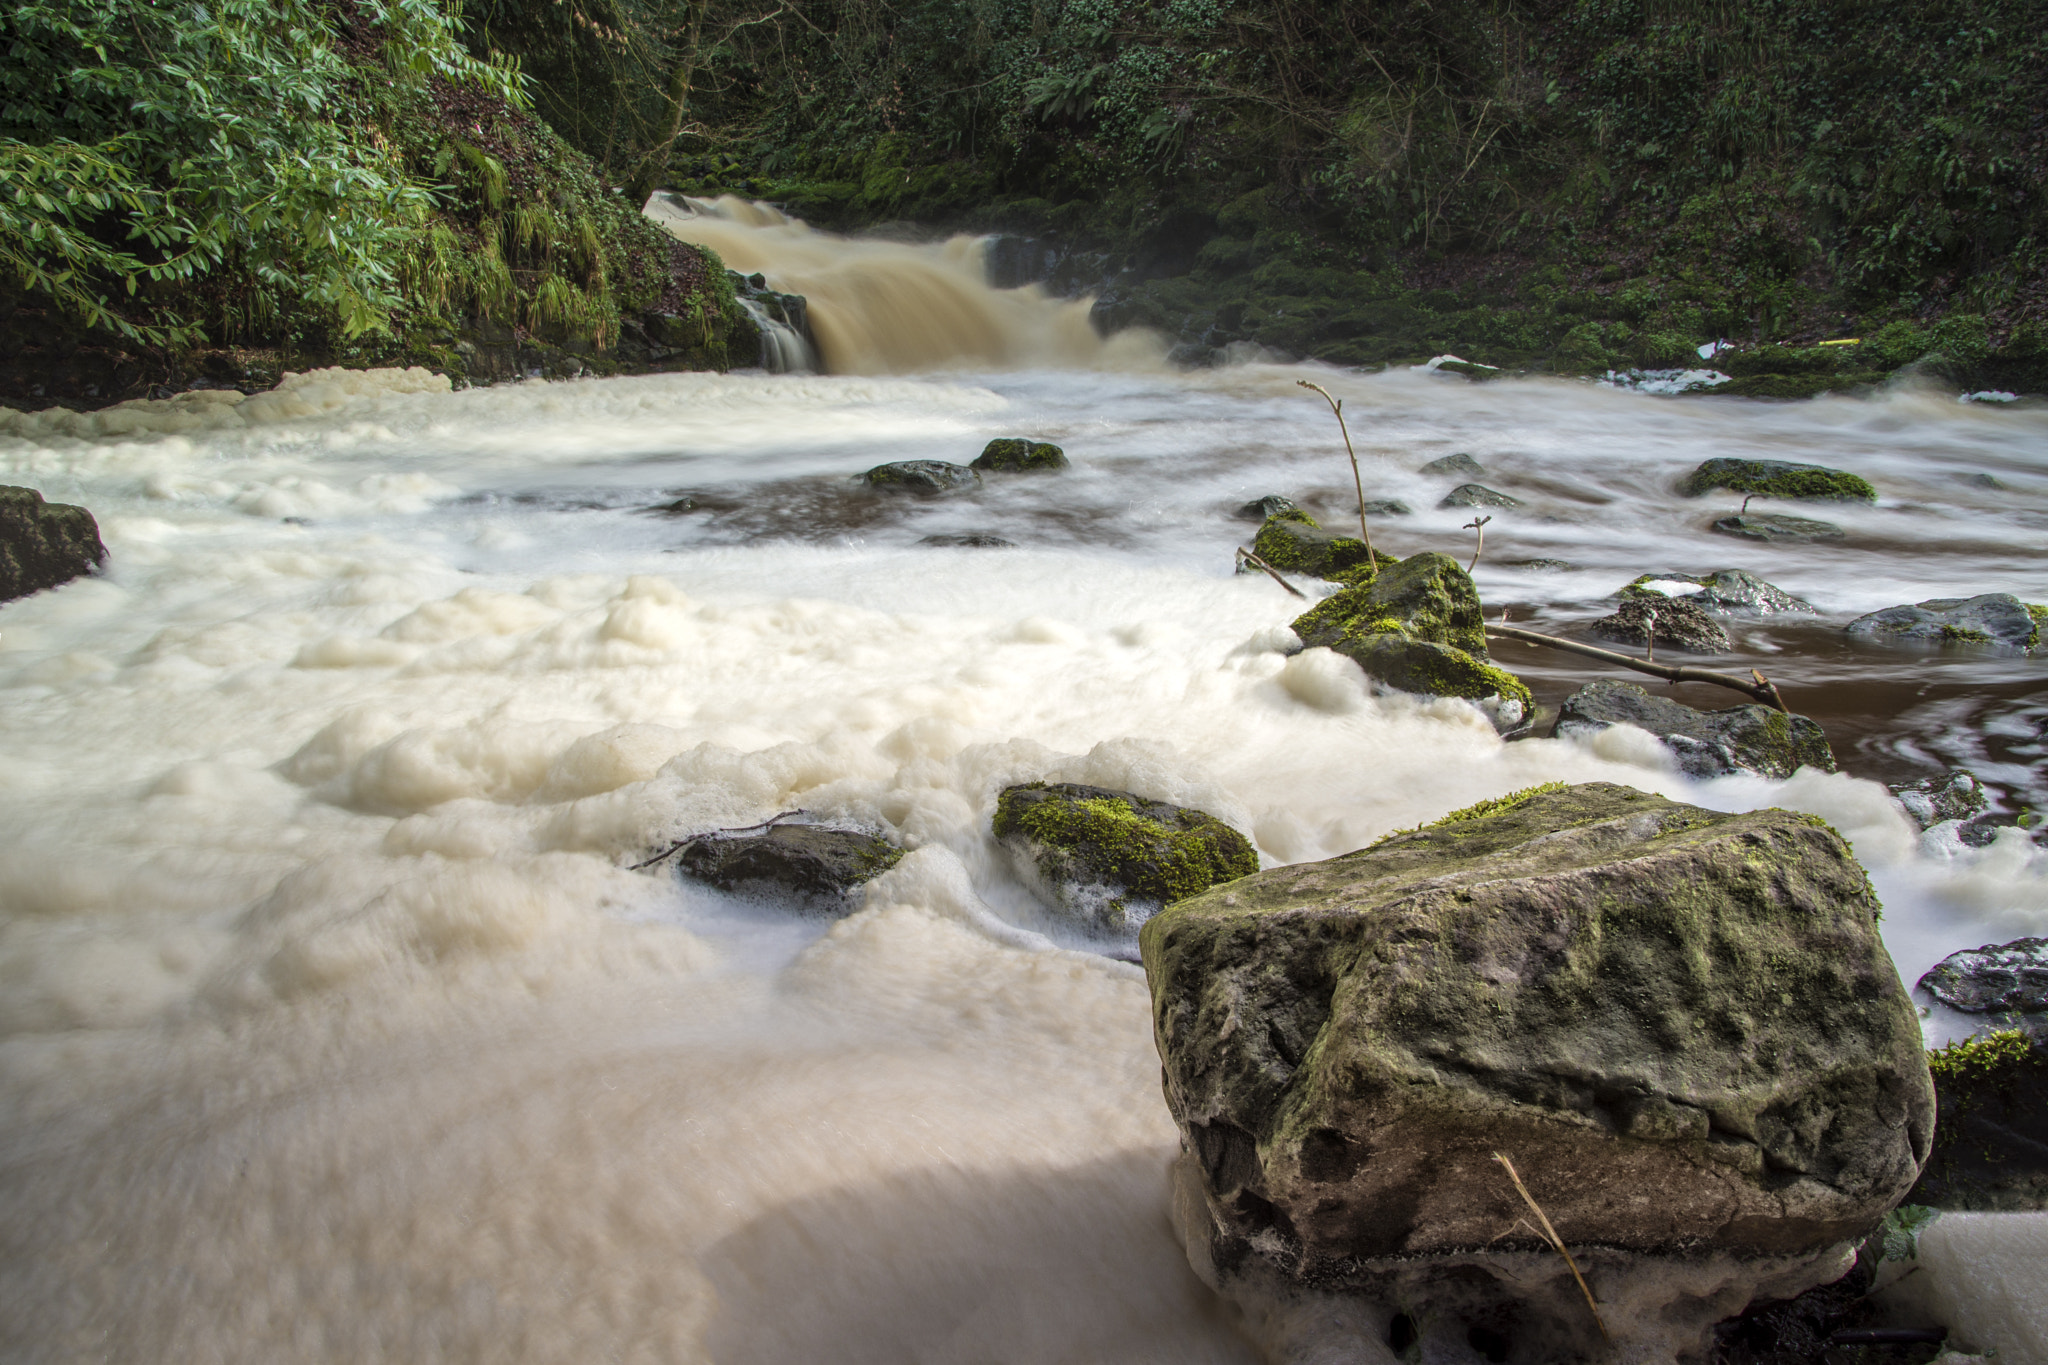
(1752, 739)
(1729, 592)
(1475, 495)
(1992, 618)
(43, 544)
(816, 867)
(1108, 860)
(1777, 479)
(1272, 505)
(1681, 1025)
(1388, 507)
(1540, 565)
(1012, 455)
(1458, 465)
(1936, 800)
(1991, 1138)
(1677, 621)
(1294, 542)
(1999, 978)
(1777, 528)
(970, 540)
(1416, 626)
(921, 476)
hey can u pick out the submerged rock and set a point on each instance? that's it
(1728, 592)
(1416, 627)
(1991, 1139)
(1013, 455)
(970, 540)
(1109, 860)
(1681, 1026)
(1677, 621)
(817, 867)
(1777, 479)
(1992, 618)
(1388, 507)
(1752, 739)
(1295, 543)
(43, 544)
(1476, 495)
(1459, 464)
(1777, 527)
(1933, 801)
(1272, 505)
(921, 476)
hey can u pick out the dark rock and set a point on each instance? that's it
(1540, 565)
(1935, 800)
(1992, 618)
(1474, 495)
(1753, 738)
(1388, 507)
(1678, 622)
(1272, 505)
(1777, 479)
(1109, 860)
(816, 866)
(1681, 1025)
(1294, 543)
(1012, 455)
(921, 476)
(1982, 480)
(43, 544)
(1450, 466)
(1991, 1139)
(970, 540)
(1998, 978)
(1730, 592)
(1416, 626)
(1777, 527)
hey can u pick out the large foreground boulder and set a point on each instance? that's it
(1680, 1025)
(1991, 618)
(1416, 626)
(1742, 739)
(43, 544)
(1108, 860)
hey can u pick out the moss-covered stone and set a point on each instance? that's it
(1992, 618)
(1415, 625)
(1777, 479)
(1776, 527)
(1681, 1024)
(1991, 1140)
(1753, 738)
(921, 476)
(1013, 455)
(1674, 620)
(1108, 859)
(43, 544)
(1293, 542)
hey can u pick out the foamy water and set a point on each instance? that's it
(336, 1027)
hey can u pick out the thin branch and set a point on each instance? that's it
(1556, 1242)
(1357, 481)
(1477, 524)
(1763, 689)
(681, 844)
(1245, 556)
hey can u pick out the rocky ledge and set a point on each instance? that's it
(43, 543)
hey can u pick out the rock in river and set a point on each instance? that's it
(1992, 618)
(1680, 1025)
(1777, 479)
(1109, 860)
(43, 544)
(2005, 979)
(1459, 464)
(1272, 505)
(1991, 1139)
(1754, 739)
(1728, 592)
(920, 476)
(1678, 622)
(1933, 801)
(1013, 455)
(818, 867)
(1777, 527)
(1477, 495)
(1294, 542)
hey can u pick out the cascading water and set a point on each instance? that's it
(783, 348)
(334, 1025)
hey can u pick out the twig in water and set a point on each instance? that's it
(1745, 504)
(1556, 1242)
(1245, 556)
(1763, 689)
(1477, 524)
(1358, 482)
(681, 844)
(1650, 635)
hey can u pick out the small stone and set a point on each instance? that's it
(1388, 507)
(818, 867)
(1013, 455)
(1936, 800)
(1730, 592)
(43, 544)
(970, 540)
(1272, 505)
(1777, 527)
(1678, 622)
(1294, 543)
(921, 476)
(1477, 495)
(2000, 978)
(1540, 565)
(1777, 479)
(1754, 738)
(1992, 618)
(1459, 464)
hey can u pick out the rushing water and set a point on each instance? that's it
(337, 1028)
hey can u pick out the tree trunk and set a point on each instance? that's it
(653, 163)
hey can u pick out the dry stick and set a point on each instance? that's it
(1556, 1242)
(1245, 556)
(769, 823)
(1650, 635)
(1477, 524)
(1763, 689)
(1337, 406)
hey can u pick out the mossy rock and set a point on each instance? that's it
(1476, 495)
(1453, 465)
(1681, 1023)
(1778, 528)
(921, 476)
(1109, 860)
(1272, 505)
(1013, 455)
(1777, 479)
(1992, 618)
(1752, 739)
(1794, 386)
(43, 544)
(1991, 1140)
(816, 868)
(1293, 542)
(1677, 622)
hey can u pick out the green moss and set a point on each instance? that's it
(1292, 542)
(1496, 805)
(1012, 455)
(1964, 635)
(1990, 1058)
(1121, 841)
(1777, 479)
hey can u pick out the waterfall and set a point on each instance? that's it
(883, 307)
(783, 348)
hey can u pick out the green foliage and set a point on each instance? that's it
(1899, 1234)
(1498, 805)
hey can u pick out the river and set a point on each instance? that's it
(336, 1026)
